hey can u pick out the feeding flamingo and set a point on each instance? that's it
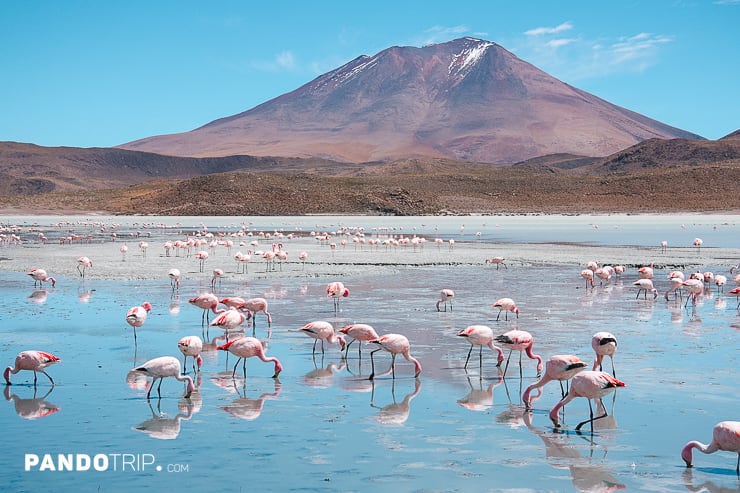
(161, 368)
(604, 344)
(83, 262)
(39, 276)
(694, 288)
(217, 275)
(174, 275)
(322, 331)
(359, 332)
(497, 261)
(447, 295)
(191, 346)
(336, 290)
(394, 344)
(725, 436)
(506, 305)
(591, 385)
(522, 341)
(561, 367)
(588, 276)
(480, 335)
(246, 347)
(645, 285)
(31, 360)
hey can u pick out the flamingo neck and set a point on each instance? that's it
(7, 372)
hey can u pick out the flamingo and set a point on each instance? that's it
(394, 344)
(694, 289)
(604, 344)
(725, 436)
(303, 256)
(663, 246)
(83, 262)
(123, 249)
(205, 301)
(228, 320)
(497, 261)
(445, 296)
(136, 315)
(191, 346)
(201, 257)
(507, 305)
(560, 367)
(719, 280)
(736, 292)
(645, 285)
(174, 275)
(246, 347)
(39, 276)
(35, 361)
(322, 331)
(480, 335)
(217, 275)
(143, 245)
(698, 243)
(255, 305)
(604, 273)
(161, 368)
(359, 332)
(591, 385)
(522, 341)
(588, 276)
(335, 290)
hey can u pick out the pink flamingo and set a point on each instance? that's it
(663, 246)
(255, 305)
(39, 276)
(161, 368)
(736, 292)
(604, 274)
(35, 361)
(447, 295)
(646, 272)
(136, 315)
(698, 243)
(694, 289)
(217, 275)
(205, 301)
(725, 436)
(201, 257)
(322, 331)
(604, 344)
(497, 261)
(174, 275)
(123, 249)
(591, 385)
(394, 344)
(191, 346)
(561, 367)
(303, 256)
(645, 285)
(336, 290)
(228, 320)
(522, 341)
(588, 276)
(506, 305)
(480, 335)
(246, 347)
(720, 281)
(359, 332)
(83, 262)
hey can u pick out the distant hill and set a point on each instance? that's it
(466, 100)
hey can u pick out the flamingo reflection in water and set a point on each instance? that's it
(480, 399)
(587, 475)
(398, 412)
(322, 377)
(250, 409)
(34, 408)
(161, 427)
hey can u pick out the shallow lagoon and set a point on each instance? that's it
(324, 427)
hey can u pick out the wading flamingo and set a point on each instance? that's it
(255, 305)
(561, 368)
(322, 331)
(506, 305)
(604, 344)
(359, 332)
(480, 335)
(174, 275)
(217, 275)
(447, 295)
(35, 361)
(336, 290)
(591, 385)
(725, 436)
(82, 264)
(694, 288)
(394, 344)
(191, 346)
(228, 320)
(136, 315)
(161, 368)
(588, 276)
(497, 261)
(522, 341)
(645, 285)
(39, 277)
(246, 347)
(205, 301)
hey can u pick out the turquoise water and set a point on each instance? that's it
(324, 427)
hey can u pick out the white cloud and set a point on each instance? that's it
(285, 60)
(542, 31)
(440, 34)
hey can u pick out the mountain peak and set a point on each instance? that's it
(465, 99)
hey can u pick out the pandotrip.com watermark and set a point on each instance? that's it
(99, 462)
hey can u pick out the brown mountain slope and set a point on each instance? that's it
(467, 100)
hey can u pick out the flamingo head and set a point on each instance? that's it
(655, 293)
(345, 293)
(278, 368)
(686, 455)
(53, 281)
(146, 306)
(516, 310)
(342, 342)
(6, 375)
(190, 389)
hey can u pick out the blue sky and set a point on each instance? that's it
(102, 73)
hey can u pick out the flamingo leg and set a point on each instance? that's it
(507, 361)
(499, 314)
(372, 364)
(468, 358)
(393, 366)
(150, 389)
(346, 349)
(233, 373)
(49, 377)
(480, 359)
(520, 365)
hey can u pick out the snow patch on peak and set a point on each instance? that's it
(463, 61)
